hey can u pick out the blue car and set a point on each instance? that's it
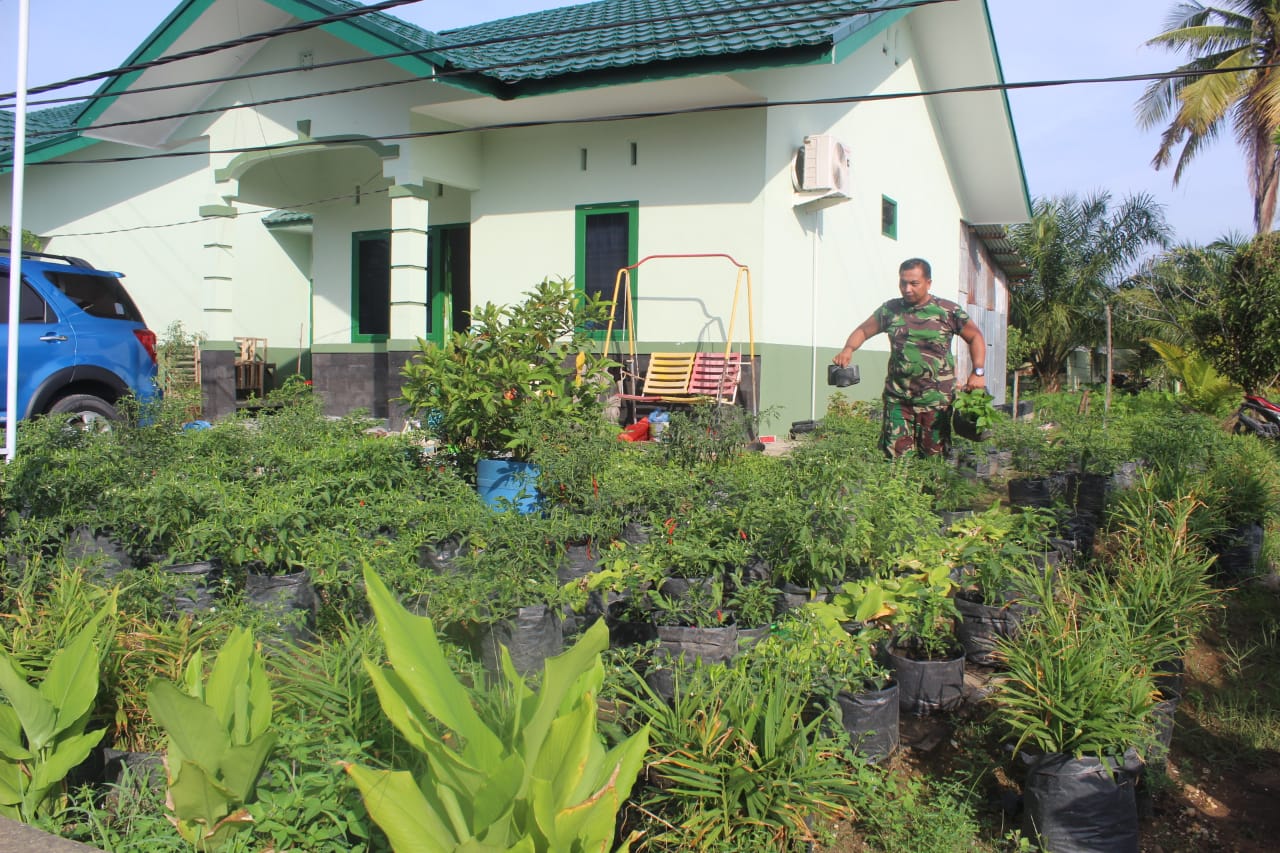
(82, 343)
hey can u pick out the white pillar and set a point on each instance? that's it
(410, 290)
(217, 263)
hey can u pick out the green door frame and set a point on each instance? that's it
(440, 281)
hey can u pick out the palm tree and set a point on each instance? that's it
(1078, 251)
(1158, 301)
(1232, 49)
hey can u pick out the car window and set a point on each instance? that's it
(31, 308)
(97, 295)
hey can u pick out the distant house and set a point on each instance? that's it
(342, 209)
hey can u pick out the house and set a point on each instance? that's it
(346, 189)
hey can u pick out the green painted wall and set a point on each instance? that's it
(785, 385)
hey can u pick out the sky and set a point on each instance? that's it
(1074, 139)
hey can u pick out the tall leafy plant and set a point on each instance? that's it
(531, 776)
(219, 739)
(472, 389)
(1068, 689)
(735, 764)
(1078, 249)
(43, 728)
(1237, 326)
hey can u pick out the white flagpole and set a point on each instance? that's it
(15, 233)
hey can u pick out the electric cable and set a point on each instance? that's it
(487, 42)
(249, 211)
(214, 48)
(439, 75)
(710, 108)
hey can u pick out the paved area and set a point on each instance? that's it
(17, 837)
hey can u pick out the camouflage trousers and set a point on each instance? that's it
(906, 427)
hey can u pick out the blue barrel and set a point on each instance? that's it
(505, 482)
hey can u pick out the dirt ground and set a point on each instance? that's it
(1215, 796)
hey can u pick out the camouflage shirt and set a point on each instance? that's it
(922, 370)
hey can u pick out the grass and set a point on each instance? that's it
(1236, 714)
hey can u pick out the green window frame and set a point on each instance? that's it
(888, 217)
(370, 286)
(603, 233)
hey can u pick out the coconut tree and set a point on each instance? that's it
(1232, 49)
(1078, 250)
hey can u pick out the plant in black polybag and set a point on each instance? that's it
(972, 414)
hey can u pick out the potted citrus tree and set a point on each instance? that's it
(477, 390)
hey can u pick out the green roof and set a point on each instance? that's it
(717, 29)
(675, 38)
(281, 218)
(54, 118)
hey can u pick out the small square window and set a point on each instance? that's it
(888, 217)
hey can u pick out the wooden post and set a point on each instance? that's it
(1106, 403)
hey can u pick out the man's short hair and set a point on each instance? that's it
(912, 263)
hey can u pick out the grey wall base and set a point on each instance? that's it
(360, 380)
(217, 383)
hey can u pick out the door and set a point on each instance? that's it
(46, 344)
(449, 265)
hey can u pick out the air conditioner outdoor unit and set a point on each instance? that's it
(821, 174)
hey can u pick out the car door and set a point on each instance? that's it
(46, 343)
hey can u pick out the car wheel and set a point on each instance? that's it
(85, 411)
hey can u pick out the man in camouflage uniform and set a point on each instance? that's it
(922, 373)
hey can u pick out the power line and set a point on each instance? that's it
(488, 42)
(445, 75)
(247, 212)
(214, 48)
(712, 108)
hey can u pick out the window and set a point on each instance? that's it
(607, 240)
(97, 295)
(31, 308)
(370, 285)
(888, 217)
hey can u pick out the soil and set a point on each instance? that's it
(1215, 795)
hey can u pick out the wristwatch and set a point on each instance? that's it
(979, 371)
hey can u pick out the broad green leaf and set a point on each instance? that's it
(415, 653)
(399, 705)
(218, 836)
(494, 798)
(230, 671)
(38, 716)
(71, 683)
(65, 754)
(193, 675)
(524, 845)
(563, 759)
(191, 724)
(259, 697)
(197, 797)
(560, 675)
(11, 736)
(397, 805)
(241, 765)
(12, 780)
(628, 756)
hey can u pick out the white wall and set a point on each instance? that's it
(704, 183)
(840, 252)
(697, 182)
